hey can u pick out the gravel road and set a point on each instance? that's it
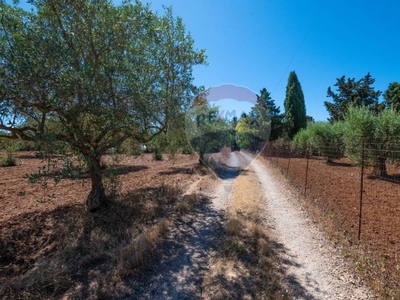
(314, 268)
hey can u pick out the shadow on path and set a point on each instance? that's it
(184, 256)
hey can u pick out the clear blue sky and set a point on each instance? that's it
(252, 43)
(256, 43)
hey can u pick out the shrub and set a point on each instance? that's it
(326, 139)
(322, 138)
(10, 146)
(302, 142)
(8, 160)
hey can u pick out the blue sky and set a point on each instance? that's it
(257, 43)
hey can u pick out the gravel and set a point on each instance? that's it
(314, 268)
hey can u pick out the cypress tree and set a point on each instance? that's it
(295, 108)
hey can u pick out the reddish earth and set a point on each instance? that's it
(18, 196)
(37, 222)
(335, 189)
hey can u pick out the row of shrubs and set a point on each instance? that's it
(377, 133)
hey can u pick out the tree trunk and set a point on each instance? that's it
(96, 197)
(201, 158)
(380, 168)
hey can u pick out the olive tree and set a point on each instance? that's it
(205, 130)
(103, 73)
(378, 132)
(321, 137)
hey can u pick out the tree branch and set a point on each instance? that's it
(17, 132)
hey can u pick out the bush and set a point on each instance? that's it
(326, 139)
(157, 154)
(10, 146)
(302, 142)
(8, 160)
(321, 138)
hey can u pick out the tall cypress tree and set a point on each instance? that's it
(295, 108)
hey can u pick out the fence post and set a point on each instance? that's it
(305, 183)
(361, 189)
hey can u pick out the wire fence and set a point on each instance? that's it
(357, 188)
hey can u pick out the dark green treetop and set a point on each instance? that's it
(352, 92)
(392, 96)
(295, 108)
(274, 112)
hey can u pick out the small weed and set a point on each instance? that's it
(46, 199)
(237, 247)
(168, 190)
(187, 203)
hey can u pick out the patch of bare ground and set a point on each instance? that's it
(244, 264)
(55, 249)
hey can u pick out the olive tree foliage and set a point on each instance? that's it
(322, 138)
(205, 130)
(103, 73)
(377, 132)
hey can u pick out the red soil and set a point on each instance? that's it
(335, 189)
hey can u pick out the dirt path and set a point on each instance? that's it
(186, 252)
(313, 267)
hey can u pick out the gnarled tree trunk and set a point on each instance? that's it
(96, 197)
(380, 168)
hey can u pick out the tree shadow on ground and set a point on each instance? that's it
(126, 169)
(393, 178)
(79, 174)
(68, 251)
(224, 171)
(174, 170)
(295, 288)
(339, 164)
(183, 258)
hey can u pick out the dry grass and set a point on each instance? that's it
(245, 266)
(139, 254)
(70, 253)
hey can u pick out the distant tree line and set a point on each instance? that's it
(357, 119)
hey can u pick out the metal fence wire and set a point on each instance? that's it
(358, 188)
